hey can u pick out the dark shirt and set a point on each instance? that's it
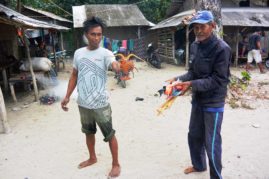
(209, 71)
(253, 39)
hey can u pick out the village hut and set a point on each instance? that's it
(123, 23)
(173, 37)
(12, 32)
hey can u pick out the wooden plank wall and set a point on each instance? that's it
(166, 45)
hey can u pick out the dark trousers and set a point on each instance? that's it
(204, 136)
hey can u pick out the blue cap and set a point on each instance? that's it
(202, 17)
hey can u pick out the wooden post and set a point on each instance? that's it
(236, 47)
(54, 52)
(166, 42)
(4, 73)
(4, 127)
(62, 41)
(31, 66)
(11, 86)
(187, 48)
(139, 32)
(173, 46)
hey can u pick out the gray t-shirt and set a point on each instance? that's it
(92, 66)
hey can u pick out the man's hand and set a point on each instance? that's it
(183, 86)
(116, 66)
(64, 102)
(170, 81)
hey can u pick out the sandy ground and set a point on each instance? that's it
(46, 142)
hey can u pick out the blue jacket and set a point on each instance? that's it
(209, 71)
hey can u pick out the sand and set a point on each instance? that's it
(46, 142)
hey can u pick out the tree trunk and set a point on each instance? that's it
(215, 7)
(4, 127)
(19, 4)
(31, 66)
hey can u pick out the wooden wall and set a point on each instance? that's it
(166, 45)
(8, 39)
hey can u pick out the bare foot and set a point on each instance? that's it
(115, 171)
(191, 170)
(87, 163)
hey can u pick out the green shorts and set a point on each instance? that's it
(102, 116)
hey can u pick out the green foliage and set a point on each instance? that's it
(245, 76)
(240, 83)
(153, 10)
(31, 3)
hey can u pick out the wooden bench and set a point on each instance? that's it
(24, 78)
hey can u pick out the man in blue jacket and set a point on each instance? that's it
(207, 77)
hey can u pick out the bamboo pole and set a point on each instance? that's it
(31, 66)
(4, 126)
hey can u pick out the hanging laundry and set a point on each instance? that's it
(105, 45)
(124, 43)
(114, 45)
(130, 44)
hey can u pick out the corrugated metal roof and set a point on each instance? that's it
(256, 2)
(48, 14)
(244, 17)
(112, 15)
(10, 16)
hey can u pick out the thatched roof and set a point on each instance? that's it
(112, 15)
(9, 16)
(240, 17)
(48, 14)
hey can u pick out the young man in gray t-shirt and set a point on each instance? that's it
(89, 75)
